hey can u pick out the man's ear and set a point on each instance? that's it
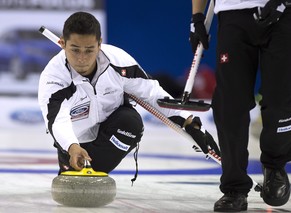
(62, 42)
(99, 42)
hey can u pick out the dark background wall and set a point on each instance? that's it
(156, 33)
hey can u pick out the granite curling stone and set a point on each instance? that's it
(85, 188)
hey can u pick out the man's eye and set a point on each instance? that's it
(89, 51)
(75, 50)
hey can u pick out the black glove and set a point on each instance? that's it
(270, 13)
(204, 140)
(198, 32)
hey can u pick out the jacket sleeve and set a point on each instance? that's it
(53, 96)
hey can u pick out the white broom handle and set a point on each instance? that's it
(51, 36)
(199, 51)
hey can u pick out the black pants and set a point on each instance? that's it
(117, 136)
(243, 47)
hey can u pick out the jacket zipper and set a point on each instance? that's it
(94, 89)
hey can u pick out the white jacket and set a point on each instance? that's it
(223, 5)
(73, 107)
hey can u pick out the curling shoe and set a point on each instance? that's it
(276, 187)
(231, 202)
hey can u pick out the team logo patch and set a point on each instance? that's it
(56, 83)
(127, 134)
(284, 120)
(80, 112)
(284, 129)
(119, 144)
(224, 58)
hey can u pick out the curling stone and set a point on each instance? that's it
(85, 188)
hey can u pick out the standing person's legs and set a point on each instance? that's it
(275, 140)
(237, 62)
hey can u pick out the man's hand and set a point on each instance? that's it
(270, 13)
(204, 140)
(78, 155)
(198, 32)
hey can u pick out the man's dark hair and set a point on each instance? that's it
(81, 23)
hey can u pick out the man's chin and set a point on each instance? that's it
(81, 71)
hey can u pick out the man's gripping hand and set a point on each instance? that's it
(204, 140)
(198, 32)
(78, 155)
(270, 13)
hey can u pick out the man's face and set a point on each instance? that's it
(81, 52)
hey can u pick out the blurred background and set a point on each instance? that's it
(154, 32)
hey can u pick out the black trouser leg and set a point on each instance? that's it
(118, 135)
(275, 139)
(237, 64)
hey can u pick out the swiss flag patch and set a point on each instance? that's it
(224, 58)
(123, 72)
